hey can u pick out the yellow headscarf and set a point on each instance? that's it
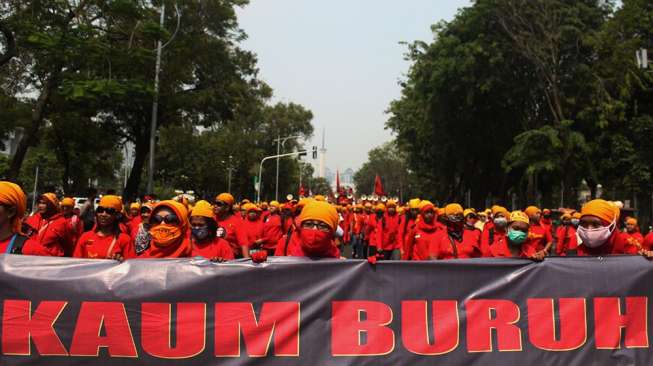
(12, 195)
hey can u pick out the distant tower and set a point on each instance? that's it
(321, 172)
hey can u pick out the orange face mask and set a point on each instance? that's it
(164, 234)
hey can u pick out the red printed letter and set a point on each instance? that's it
(156, 334)
(278, 319)
(609, 320)
(347, 326)
(481, 321)
(415, 328)
(118, 336)
(19, 325)
(542, 324)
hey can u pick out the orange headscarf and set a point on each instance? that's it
(52, 199)
(12, 195)
(226, 198)
(111, 201)
(177, 250)
(320, 211)
(604, 210)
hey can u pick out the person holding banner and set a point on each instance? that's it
(599, 234)
(567, 242)
(169, 232)
(250, 236)
(455, 242)
(494, 231)
(511, 245)
(49, 234)
(315, 235)
(105, 240)
(540, 238)
(206, 237)
(13, 205)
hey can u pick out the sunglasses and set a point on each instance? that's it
(146, 209)
(169, 219)
(107, 210)
(316, 225)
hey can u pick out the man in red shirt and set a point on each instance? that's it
(251, 236)
(419, 239)
(230, 222)
(408, 225)
(494, 230)
(566, 241)
(598, 231)
(272, 228)
(455, 242)
(105, 241)
(387, 231)
(632, 234)
(49, 234)
(75, 224)
(540, 238)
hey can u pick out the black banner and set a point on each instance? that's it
(563, 311)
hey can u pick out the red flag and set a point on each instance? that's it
(302, 191)
(378, 187)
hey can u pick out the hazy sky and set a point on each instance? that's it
(342, 60)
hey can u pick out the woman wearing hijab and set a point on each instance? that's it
(140, 234)
(206, 238)
(455, 242)
(315, 235)
(13, 204)
(105, 240)
(632, 234)
(540, 238)
(251, 235)
(419, 240)
(388, 238)
(49, 234)
(495, 231)
(169, 230)
(598, 231)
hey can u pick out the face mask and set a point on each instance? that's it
(575, 222)
(517, 237)
(315, 242)
(594, 238)
(165, 234)
(200, 233)
(501, 221)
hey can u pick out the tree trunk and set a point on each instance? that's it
(134, 181)
(38, 115)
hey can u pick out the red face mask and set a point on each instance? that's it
(315, 242)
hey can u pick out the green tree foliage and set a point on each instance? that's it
(390, 164)
(529, 98)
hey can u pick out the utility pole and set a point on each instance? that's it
(229, 179)
(260, 170)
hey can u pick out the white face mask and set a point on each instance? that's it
(594, 238)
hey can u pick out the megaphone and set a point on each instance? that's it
(364, 197)
(289, 197)
(374, 197)
(384, 199)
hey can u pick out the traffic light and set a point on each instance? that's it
(314, 152)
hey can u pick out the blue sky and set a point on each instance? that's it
(342, 60)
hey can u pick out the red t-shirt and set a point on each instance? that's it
(216, 248)
(231, 226)
(538, 237)
(648, 241)
(468, 247)
(250, 232)
(566, 236)
(95, 246)
(419, 240)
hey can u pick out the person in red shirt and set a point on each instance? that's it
(455, 242)
(134, 218)
(105, 241)
(13, 204)
(170, 236)
(75, 224)
(566, 242)
(470, 225)
(407, 226)
(598, 231)
(387, 231)
(546, 220)
(230, 221)
(205, 237)
(373, 223)
(357, 227)
(419, 239)
(48, 230)
(511, 245)
(540, 238)
(272, 228)
(315, 235)
(494, 231)
(632, 234)
(251, 237)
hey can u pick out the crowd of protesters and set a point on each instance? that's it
(375, 228)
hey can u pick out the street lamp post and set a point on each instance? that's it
(280, 142)
(260, 169)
